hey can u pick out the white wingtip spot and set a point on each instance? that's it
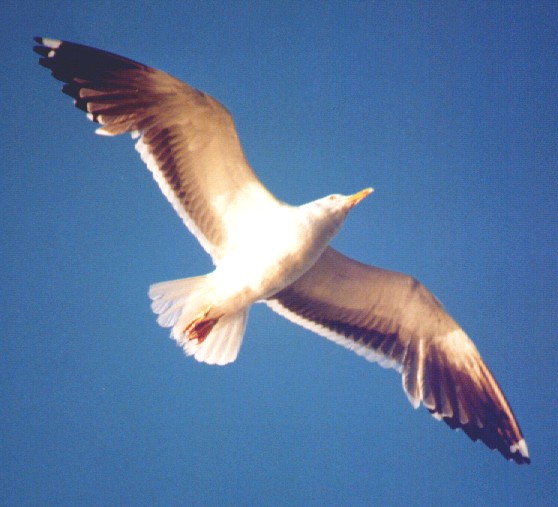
(51, 43)
(521, 446)
(135, 134)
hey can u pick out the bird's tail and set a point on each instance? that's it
(185, 306)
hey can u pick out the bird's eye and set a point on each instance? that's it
(332, 197)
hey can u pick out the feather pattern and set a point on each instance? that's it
(391, 318)
(186, 138)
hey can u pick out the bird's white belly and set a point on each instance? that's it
(269, 258)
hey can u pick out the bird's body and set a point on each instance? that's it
(265, 250)
(278, 247)
(274, 249)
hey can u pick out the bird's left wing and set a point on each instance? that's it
(186, 138)
(393, 319)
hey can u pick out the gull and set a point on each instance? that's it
(265, 250)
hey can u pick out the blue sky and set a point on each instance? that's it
(449, 110)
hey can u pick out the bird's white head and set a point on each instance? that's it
(331, 211)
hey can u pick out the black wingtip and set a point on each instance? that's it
(46, 46)
(520, 453)
(40, 50)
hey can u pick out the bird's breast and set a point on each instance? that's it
(272, 253)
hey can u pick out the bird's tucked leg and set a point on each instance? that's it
(201, 326)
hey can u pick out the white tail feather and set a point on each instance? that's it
(179, 302)
(171, 300)
(223, 343)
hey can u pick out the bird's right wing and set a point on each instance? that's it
(393, 319)
(187, 139)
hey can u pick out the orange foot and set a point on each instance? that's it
(200, 327)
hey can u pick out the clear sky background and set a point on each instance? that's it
(447, 109)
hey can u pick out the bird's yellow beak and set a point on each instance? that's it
(354, 199)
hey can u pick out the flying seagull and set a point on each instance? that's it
(265, 250)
